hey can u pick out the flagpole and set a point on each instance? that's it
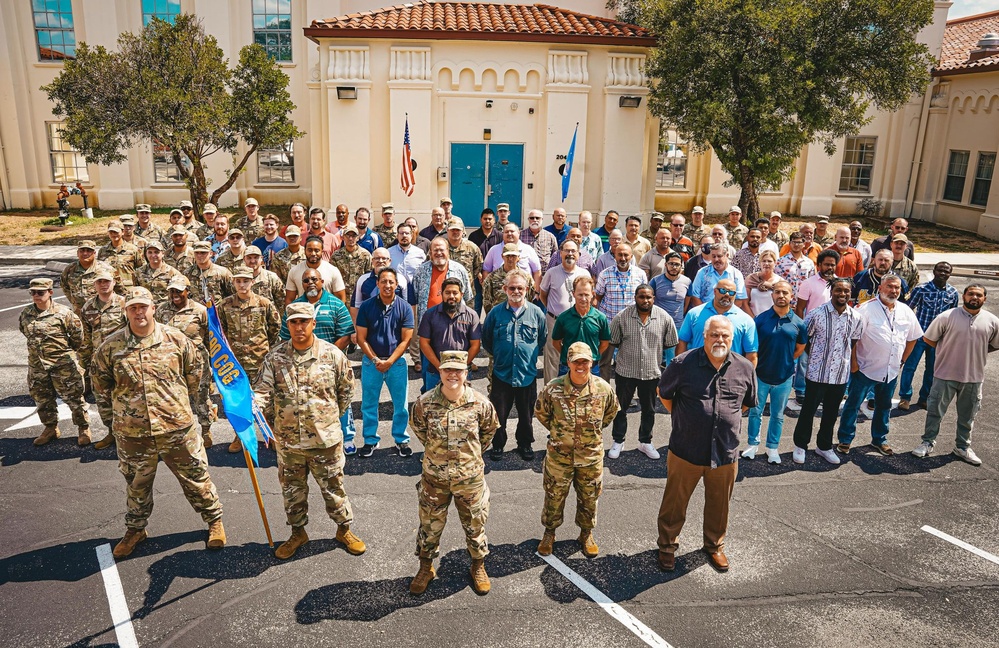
(260, 500)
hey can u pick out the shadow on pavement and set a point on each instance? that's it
(14, 451)
(864, 457)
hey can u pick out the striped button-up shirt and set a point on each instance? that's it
(617, 289)
(640, 345)
(928, 301)
(332, 318)
(544, 244)
(830, 340)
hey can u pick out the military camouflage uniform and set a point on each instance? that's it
(251, 231)
(737, 236)
(219, 283)
(266, 284)
(492, 289)
(182, 261)
(453, 435)
(780, 238)
(204, 231)
(351, 265)
(138, 242)
(54, 338)
(649, 235)
(147, 383)
(229, 260)
(155, 281)
(193, 227)
(695, 233)
(574, 418)
(388, 234)
(154, 231)
(126, 259)
(192, 321)
(100, 320)
(78, 283)
(469, 256)
(307, 392)
(251, 327)
(285, 260)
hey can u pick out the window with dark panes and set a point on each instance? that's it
(164, 169)
(276, 165)
(272, 27)
(957, 171)
(54, 29)
(983, 179)
(858, 164)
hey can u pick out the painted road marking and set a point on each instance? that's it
(120, 615)
(626, 619)
(11, 412)
(961, 543)
(10, 308)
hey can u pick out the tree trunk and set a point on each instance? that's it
(199, 192)
(748, 200)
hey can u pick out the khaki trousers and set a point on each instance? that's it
(681, 479)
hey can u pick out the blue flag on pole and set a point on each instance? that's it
(234, 386)
(568, 164)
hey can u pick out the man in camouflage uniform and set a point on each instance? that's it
(696, 229)
(78, 278)
(191, 318)
(655, 221)
(178, 253)
(387, 229)
(463, 251)
(305, 385)
(291, 256)
(55, 336)
(128, 233)
(146, 373)
(209, 212)
(265, 283)
(190, 223)
(251, 324)
(146, 228)
(155, 275)
(232, 257)
(351, 260)
(574, 408)
(454, 423)
(492, 288)
(218, 279)
(102, 315)
(251, 223)
(121, 255)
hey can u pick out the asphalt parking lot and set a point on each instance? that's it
(821, 555)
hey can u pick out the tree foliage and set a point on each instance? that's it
(757, 80)
(172, 84)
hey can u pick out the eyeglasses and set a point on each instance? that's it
(725, 291)
(37, 292)
(674, 263)
(516, 288)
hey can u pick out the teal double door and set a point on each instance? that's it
(485, 175)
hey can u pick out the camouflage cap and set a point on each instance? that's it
(292, 230)
(235, 232)
(900, 238)
(446, 201)
(209, 208)
(350, 229)
(176, 211)
(178, 229)
(138, 295)
(776, 214)
(579, 351)
(502, 206)
(114, 226)
(454, 360)
(697, 210)
(127, 219)
(251, 201)
(40, 283)
(86, 244)
(143, 207)
(455, 223)
(242, 272)
(154, 244)
(103, 275)
(511, 249)
(300, 310)
(253, 250)
(186, 203)
(179, 282)
(657, 216)
(388, 208)
(202, 246)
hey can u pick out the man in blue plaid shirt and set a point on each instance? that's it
(614, 292)
(928, 300)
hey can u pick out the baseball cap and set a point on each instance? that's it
(455, 223)
(202, 246)
(114, 226)
(292, 230)
(697, 210)
(579, 351)
(186, 203)
(446, 200)
(179, 282)
(127, 219)
(350, 229)
(454, 360)
(209, 208)
(388, 208)
(234, 232)
(157, 244)
(242, 272)
(511, 249)
(251, 201)
(86, 244)
(505, 206)
(822, 218)
(735, 208)
(40, 283)
(138, 295)
(900, 237)
(300, 310)
(657, 216)
(142, 207)
(103, 274)
(252, 249)
(176, 211)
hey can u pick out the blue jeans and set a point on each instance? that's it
(799, 374)
(778, 400)
(855, 396)
(347, 425)
(397, 381)
(478, 297)
(909, 371)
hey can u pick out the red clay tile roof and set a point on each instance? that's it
(481, 21)
(961, 36)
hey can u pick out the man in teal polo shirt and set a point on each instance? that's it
(744, 338)
(583, 323)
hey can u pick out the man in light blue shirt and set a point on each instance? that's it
(744, 339)
(406, 257)
(702, 288)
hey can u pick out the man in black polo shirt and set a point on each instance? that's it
(706, 390)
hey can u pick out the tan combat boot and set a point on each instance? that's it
(127, 544)
(547, 543)
(216, 535)
(206, 436)
(105, 442)
(236, 446)
(351, 542)
(47, 435)
(589, 545)
(480, 579)
(83, 439)
(423, 577)
(288, 548)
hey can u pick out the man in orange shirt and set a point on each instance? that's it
(851, 262)
(811, 249)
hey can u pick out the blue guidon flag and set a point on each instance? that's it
(567, 173)
(234, 386)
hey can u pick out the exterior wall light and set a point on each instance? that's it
(629, 102)
(346, 92)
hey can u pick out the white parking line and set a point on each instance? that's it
(120, 615)
(10, 308)
(640, 630)
(961, 543)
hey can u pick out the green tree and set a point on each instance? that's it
(757, 80)
(172, 84)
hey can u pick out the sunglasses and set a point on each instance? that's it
(310, 281)
(723, 291)
(37, 292)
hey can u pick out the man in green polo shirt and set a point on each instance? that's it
(583, 323)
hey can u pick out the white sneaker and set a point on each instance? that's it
(773, 456)
(968, 455)
(923, 449)
(798, 455)
(750, 452)
(828, 455)
(793, 405)
(648, 450)
(865, 413)
(615, 451)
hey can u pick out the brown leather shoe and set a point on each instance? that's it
(547, 543)
(49, 434)
(236, 446)
(717, 560)
(127, 544)
(351, 542)
(83, 437)
(480, 579)
(105, 442)
(288, 548)
(904, 404)
(667, 561)
(216, 535)
(423, 577)
(589, 545)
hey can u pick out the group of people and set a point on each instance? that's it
(711, 321)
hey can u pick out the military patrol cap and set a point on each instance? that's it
(176, 211)
(253, 249)
(446, 201)
(697, 210)
(505, 206)
(179, 282)
(155, 244)
(40, 283)
(454, 360)
(126, 219)
(186, 203)
(138, 295)
(178, 229)
(292, 230)
(300, 310)
(511, 249)
(251, 201)
(735, 208)
(114, 226)
(202, 246)
(143, 207)
(242, 272)
(900, 237)
(455, 223)
(388, 208)
(657, 216)
(821, 218)
(103, 274)
(350, 229)
(235, 232)
(86, 244)
(776, 214)
(579, 351)
(209, 208)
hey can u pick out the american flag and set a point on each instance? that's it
(408, 179)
